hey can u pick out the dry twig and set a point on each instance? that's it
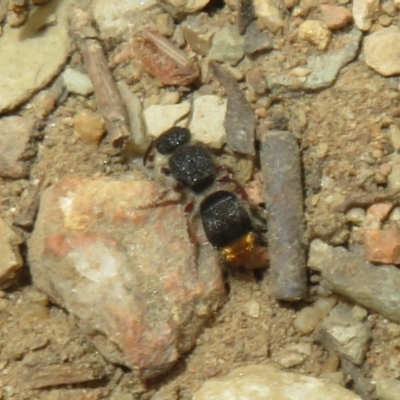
(106, 92)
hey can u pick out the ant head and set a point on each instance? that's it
(172, 139)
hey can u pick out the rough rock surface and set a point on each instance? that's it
(351, 275)
(323, 69)
(31, 57)
(117, 255)
(15, 139)
(265, 382)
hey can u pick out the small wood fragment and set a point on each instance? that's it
(239, 121)
(106, 92)
(64, 374)
(27, 214)
(280, 162)
(162, 59)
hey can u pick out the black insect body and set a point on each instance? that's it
(171, 139)
(193, 166)
(228, 226)
(226, 222)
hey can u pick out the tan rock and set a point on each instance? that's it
(269, 13)
(266, 382)
(89, 126)
(364, 12)
(380, 53)
(29, 61)
(315, 32)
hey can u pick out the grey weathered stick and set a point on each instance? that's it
(239, 117)
(245, 14)
(106, 92)
(280, 160)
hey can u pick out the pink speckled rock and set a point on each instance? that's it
(117, 255)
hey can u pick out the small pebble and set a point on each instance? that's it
(252, 308)
(356, 215)
(394, 176)
(227, 46)
(307, 320)
(335, 17)
(318, 253)
(389, 8)
(385, 20)
(364, 12)
(209, 111)
(165, 25)
(293, 354)
(269, 14)
(77, 82)
(394, 132)
(89, 126)
(315, 32)
(382, 245)
(380, 211)
(159, 118)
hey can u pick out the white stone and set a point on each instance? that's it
(10, 260)
(207, 124)
(29, 61)
(158, 118)
(380, 52)
(265, 382)
(77, 82)
(364, 11)
(115, 17)
(356, 216)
